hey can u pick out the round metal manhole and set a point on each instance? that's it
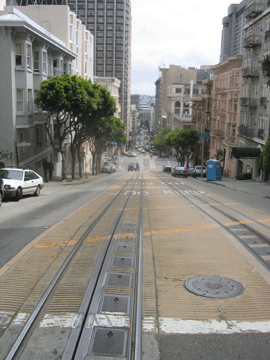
(214, 286)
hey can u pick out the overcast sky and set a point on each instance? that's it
(177, 32)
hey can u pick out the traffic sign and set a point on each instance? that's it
(204, 134)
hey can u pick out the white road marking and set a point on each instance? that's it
(178, 326)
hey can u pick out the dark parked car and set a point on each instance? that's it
(106, 169)
(180, 171)
(167, 168)
(133, 166)
(1, 191)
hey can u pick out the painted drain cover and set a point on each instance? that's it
(214, 286)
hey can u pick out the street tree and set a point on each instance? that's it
(109, 130)
(264, 160)
(52, 98)
(159, 141)
(183, 141)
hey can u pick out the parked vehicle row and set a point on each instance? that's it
(183, 171)
(17, 182)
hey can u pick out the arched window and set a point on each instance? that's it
(177, 107)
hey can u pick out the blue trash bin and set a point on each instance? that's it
(213, 170)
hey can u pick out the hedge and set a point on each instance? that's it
(244, 176)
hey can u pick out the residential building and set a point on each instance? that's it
(31, 55)
(253, 128)
(72, 32)
(113, 86)
(179, 105)
(134, 119)
(175, 74)
(232, 38)
(225, 111)
(110, 23)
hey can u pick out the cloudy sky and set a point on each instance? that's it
(178, 32)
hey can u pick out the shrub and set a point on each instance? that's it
(244, 176)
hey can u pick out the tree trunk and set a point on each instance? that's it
(73, 157)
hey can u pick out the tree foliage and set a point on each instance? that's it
(183, 141)
(159, 141)
(78, 107)
(264, 159)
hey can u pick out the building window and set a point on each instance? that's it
(85, 67)
(178, 90)
(19, 55)
(28, 56)
(36, 61)
(44, 62)
(29, 100)
(235, 106)
(177, 107)
(85, 46)
(19, 100)
(70, 32)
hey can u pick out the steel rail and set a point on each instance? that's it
(250, 249)
(138, 330)
(76, 343)
(218, 202)
(20, 342)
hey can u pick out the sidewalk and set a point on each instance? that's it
(252, 187)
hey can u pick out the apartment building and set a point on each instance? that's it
(225, 111)
(175, 74)
(255, 108)
(72, 32)
(232, 38)
(31, 55)
(110, 23)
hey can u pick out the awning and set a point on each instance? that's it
(250, 153)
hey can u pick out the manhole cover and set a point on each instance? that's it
(214, 286)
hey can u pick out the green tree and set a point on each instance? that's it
(183, 141)
(109, 130)
(52, 99)
(159, 141)
(264, 159)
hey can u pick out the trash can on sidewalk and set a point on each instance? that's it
(213, 170)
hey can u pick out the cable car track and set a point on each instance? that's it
(96, 283)
(256, 237)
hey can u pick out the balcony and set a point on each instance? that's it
(260, 134)
(246, 131)
(252, 41)
(254, 9)
(250, 72)
(245, 101)
(267, 35)
(263, 101)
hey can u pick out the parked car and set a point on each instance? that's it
(197, 171)
(190, 171)
(113, 166)
(133, 166)
(1, 191)
(18, 182)
(180, 171)
(106, 169)
(132, 154)
(167, 168)
(107, 159)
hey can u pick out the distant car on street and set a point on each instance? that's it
(180, 171)
(133, 166)
(167, 168)
(190, 171)
(106, 169)
(19, 181)
(197, 171)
